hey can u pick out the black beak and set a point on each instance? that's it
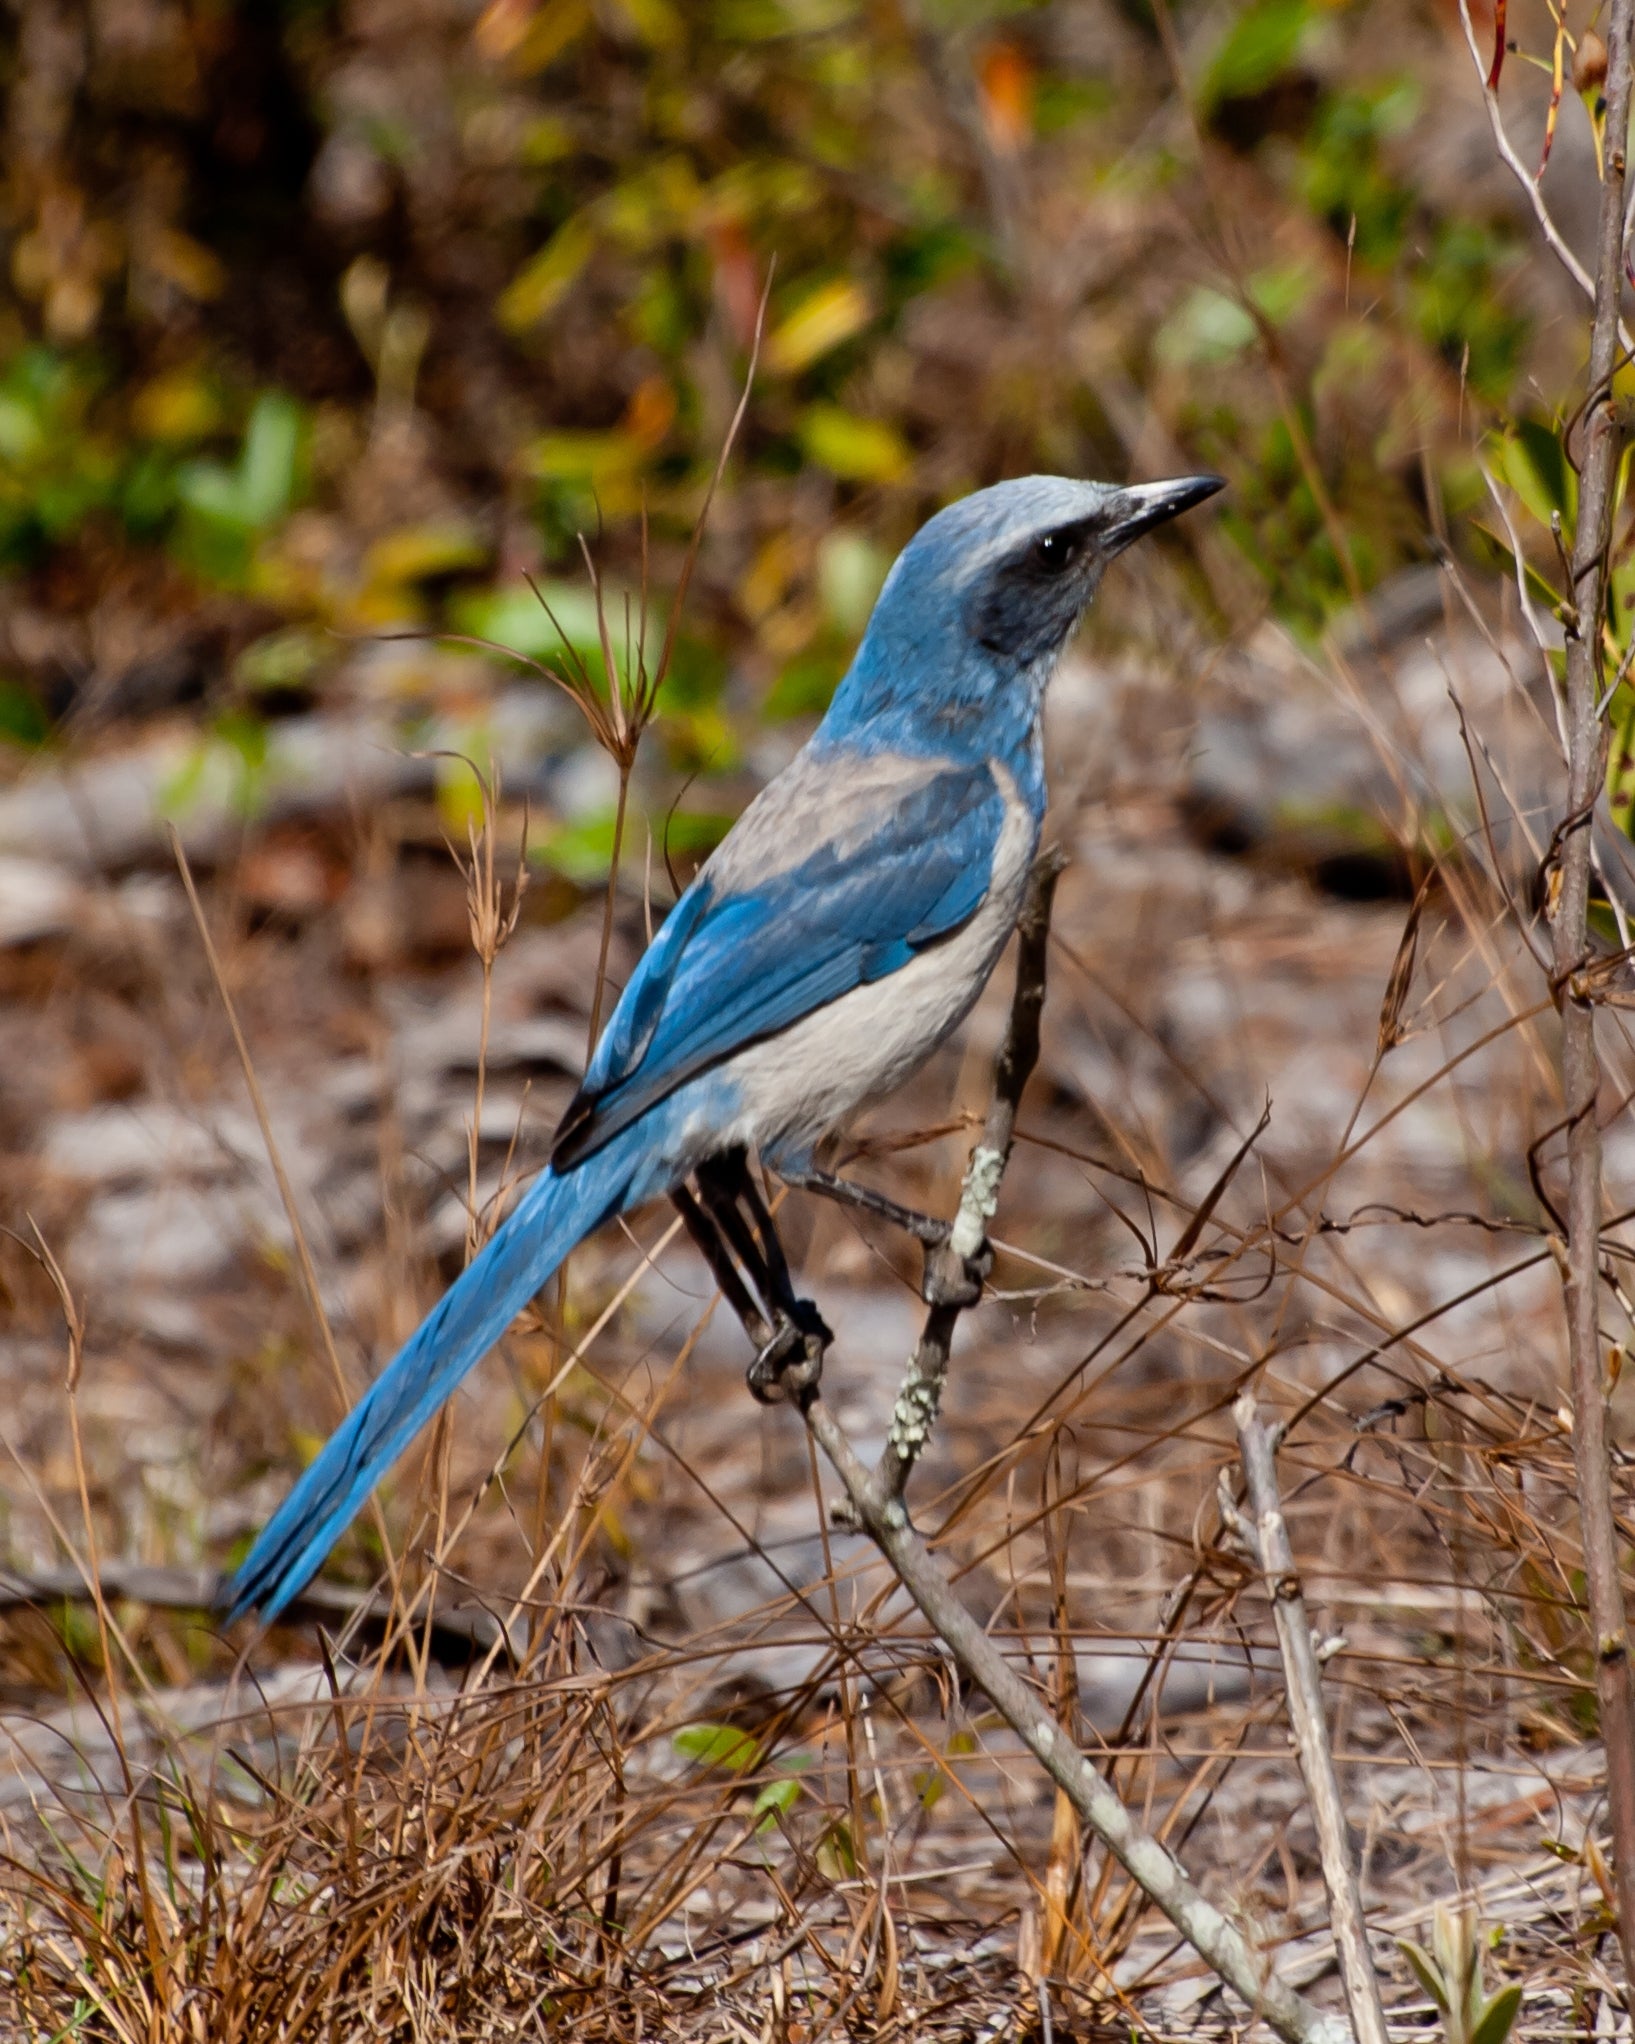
(1144, 505)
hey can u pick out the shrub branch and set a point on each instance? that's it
(1574, 987)
(1266, 1536)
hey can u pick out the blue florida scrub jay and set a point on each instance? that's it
(843, 928)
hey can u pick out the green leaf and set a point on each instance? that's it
(850, 571)
(584, 457)
(720, 1746)
(460, 793)
(1458, 1956)
(417, 553)
(750, 21)
(1206, 326)
(272, 444)
(1534, 464)
(694, 833)
(235, 504)
(21, 430)
(1280, 291)
(282, 660)
(515, 618)
(1427, 1971)
(804, 687)
(657, 22)
(22, 721)
(580, 851)
(1263, 42)
(836, 1855)
(1497, 2018)
(930, 1785)
(777, 1799)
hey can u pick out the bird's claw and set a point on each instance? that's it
(792, 1361)
(953, 1281)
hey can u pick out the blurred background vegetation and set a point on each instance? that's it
(324, 320)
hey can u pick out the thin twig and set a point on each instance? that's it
(920, 1398)
(1580, 1058)
(252, 1082)
(456, 1635)
(1267, 1538)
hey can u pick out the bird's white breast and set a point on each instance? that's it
(796, 1086)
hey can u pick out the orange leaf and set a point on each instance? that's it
(1005, 80)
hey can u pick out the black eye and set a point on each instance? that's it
(1053, 552)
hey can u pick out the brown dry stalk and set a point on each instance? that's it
(1580, 1059)
(1266, 1536)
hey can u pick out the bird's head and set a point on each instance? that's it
(984, 597)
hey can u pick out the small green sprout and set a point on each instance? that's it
(1451, 1974)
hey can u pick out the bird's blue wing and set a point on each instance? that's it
(739, 960)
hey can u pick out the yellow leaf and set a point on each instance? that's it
(663, 198)
(583, 457)
(459, 793)
(177, 406)
(611, 1524)
(545, 140)
(545, 279)
(184, 263)
(529, 37)
(414, 552)
(855, 449)
(657, 22)
(824, 318)
(777, 562)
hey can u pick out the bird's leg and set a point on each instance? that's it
(801, 1313)
(948, 1279)
(707, 1237)
(863, 1199)
(735, 1177)
(791, 1360)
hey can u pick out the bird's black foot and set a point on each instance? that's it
(951, 1280)
(792, 1361)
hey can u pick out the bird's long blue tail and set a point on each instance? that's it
(554, 1215)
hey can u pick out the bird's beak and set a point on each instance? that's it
(1144, 505)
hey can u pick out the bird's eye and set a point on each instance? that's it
(1053, 552)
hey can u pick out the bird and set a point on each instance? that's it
(839, 932)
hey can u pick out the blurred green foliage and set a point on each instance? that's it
(226, 507)
(1260, 45)
(390, 305)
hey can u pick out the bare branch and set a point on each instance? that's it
(918, 1402)
(1159, 1875)
(1267, 1538)
(1574, 984)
